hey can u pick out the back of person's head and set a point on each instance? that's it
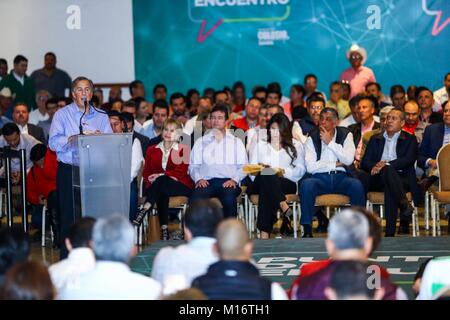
(375, 229)
(202, 218)
(233, 242)
(350, 281)
(348, 230)
(10, 128)
(113, 239)
(80, 233)
(28, 280)
(38, 152)
(14, 247)
(187, 294)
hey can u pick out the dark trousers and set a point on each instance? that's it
(394, 185)
(227, 196)
(271, 190)
(326, 183)
(133, 199)
(159, 193)
(66, 204)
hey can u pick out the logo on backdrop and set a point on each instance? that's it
(438, 15)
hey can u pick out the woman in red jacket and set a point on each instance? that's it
(165, 174)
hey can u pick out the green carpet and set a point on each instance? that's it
(280, 259)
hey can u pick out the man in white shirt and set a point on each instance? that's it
(40, 114)
(81, 259)
(441, 95)
(112, 279)
(204, 106)
(435, 278)
(216, 163)
(328, 151)
(190, 260)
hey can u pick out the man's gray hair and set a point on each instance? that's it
(113, 239)
(348, 230)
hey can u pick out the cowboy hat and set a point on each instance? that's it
(361, 51)
(6, 92)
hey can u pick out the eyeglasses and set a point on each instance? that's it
(317, 107)
(355, 57)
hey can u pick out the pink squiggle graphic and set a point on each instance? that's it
(436, 27)
(201, 36)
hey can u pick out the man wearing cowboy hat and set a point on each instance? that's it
(357, 75)
(6, 99)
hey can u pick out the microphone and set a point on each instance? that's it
(81, 118)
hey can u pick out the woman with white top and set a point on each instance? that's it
(279, 152)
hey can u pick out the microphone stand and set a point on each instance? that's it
(85, 109)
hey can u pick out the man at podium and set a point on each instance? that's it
(74, 119)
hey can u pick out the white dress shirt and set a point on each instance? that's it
(166, 154)
(112, 281)
(190, 124)
(185, 262)
(138, 126)
(36, 117)
(440, 96)
(27, 142)
(136, 158)
(330, 154)
(212, 158)
(265, 153)
(66, 273)
(390, 145)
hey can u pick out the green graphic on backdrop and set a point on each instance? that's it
(212, 43)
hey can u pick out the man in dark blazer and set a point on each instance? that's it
(20, 117)
(389, 159)
(435, 136)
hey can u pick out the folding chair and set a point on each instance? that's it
(441, 196)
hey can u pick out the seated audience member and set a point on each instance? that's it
(238, 97)
(165, 175)
(128, 126)
(441, 95)
(389, 159)
(142, 114)
(216, 163)
(111, 278)
(398, 96)
(62, 102)
(328, 151)
(136, 89)
(51, 106)
(260, 92)
(310, 85)
(366, 110)
(258, 133)
(192, 100)
(280, 152)
(315, 105)
(234, 277)
(435, 278)
(210, 93)
(357, 75)
(374, 89)
(349, 282)
(273, 96)
(12, 138)
(336, 101)
(203, 125)
(348, 240)
(20, 118)
(418, 277)
(98, 92)
(159, 92)
(160, 114)
(375, 234)
(178, 108)
(251, 116)
(412, 124)
(346, 90)
(188, 261)
(411, 93)
(434, 138)
(28, 280)
(40, 114)
(354, 116)
(204, 106)
(41, 191)
(424, 98)
(81, 259)
(295, 108)
(14, 248)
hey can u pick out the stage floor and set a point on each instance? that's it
(280, 259)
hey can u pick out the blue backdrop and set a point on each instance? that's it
(199, 43)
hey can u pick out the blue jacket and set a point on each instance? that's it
(433, 139)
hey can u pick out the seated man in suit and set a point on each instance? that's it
(20, 117)
(316, 103)
(389, 159)
(328, 152)
(435, 137)
(216, 163)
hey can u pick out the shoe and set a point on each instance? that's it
(307, 231)
(323, 226)
(164, 234)
(140, 216)
(407, 213)
(404, 228)
(286, 227)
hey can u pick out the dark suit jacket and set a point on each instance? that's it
(307, 125)
(432, 141)
(355, 129)
(406, 153)
(37, 133)
(145, 141)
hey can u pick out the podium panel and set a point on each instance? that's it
(102, 175)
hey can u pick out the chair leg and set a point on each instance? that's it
(294, 207)
(433, 215)
(43, 228)
(438, 220)
(381, 212)
(427, 210)
(328, 212)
